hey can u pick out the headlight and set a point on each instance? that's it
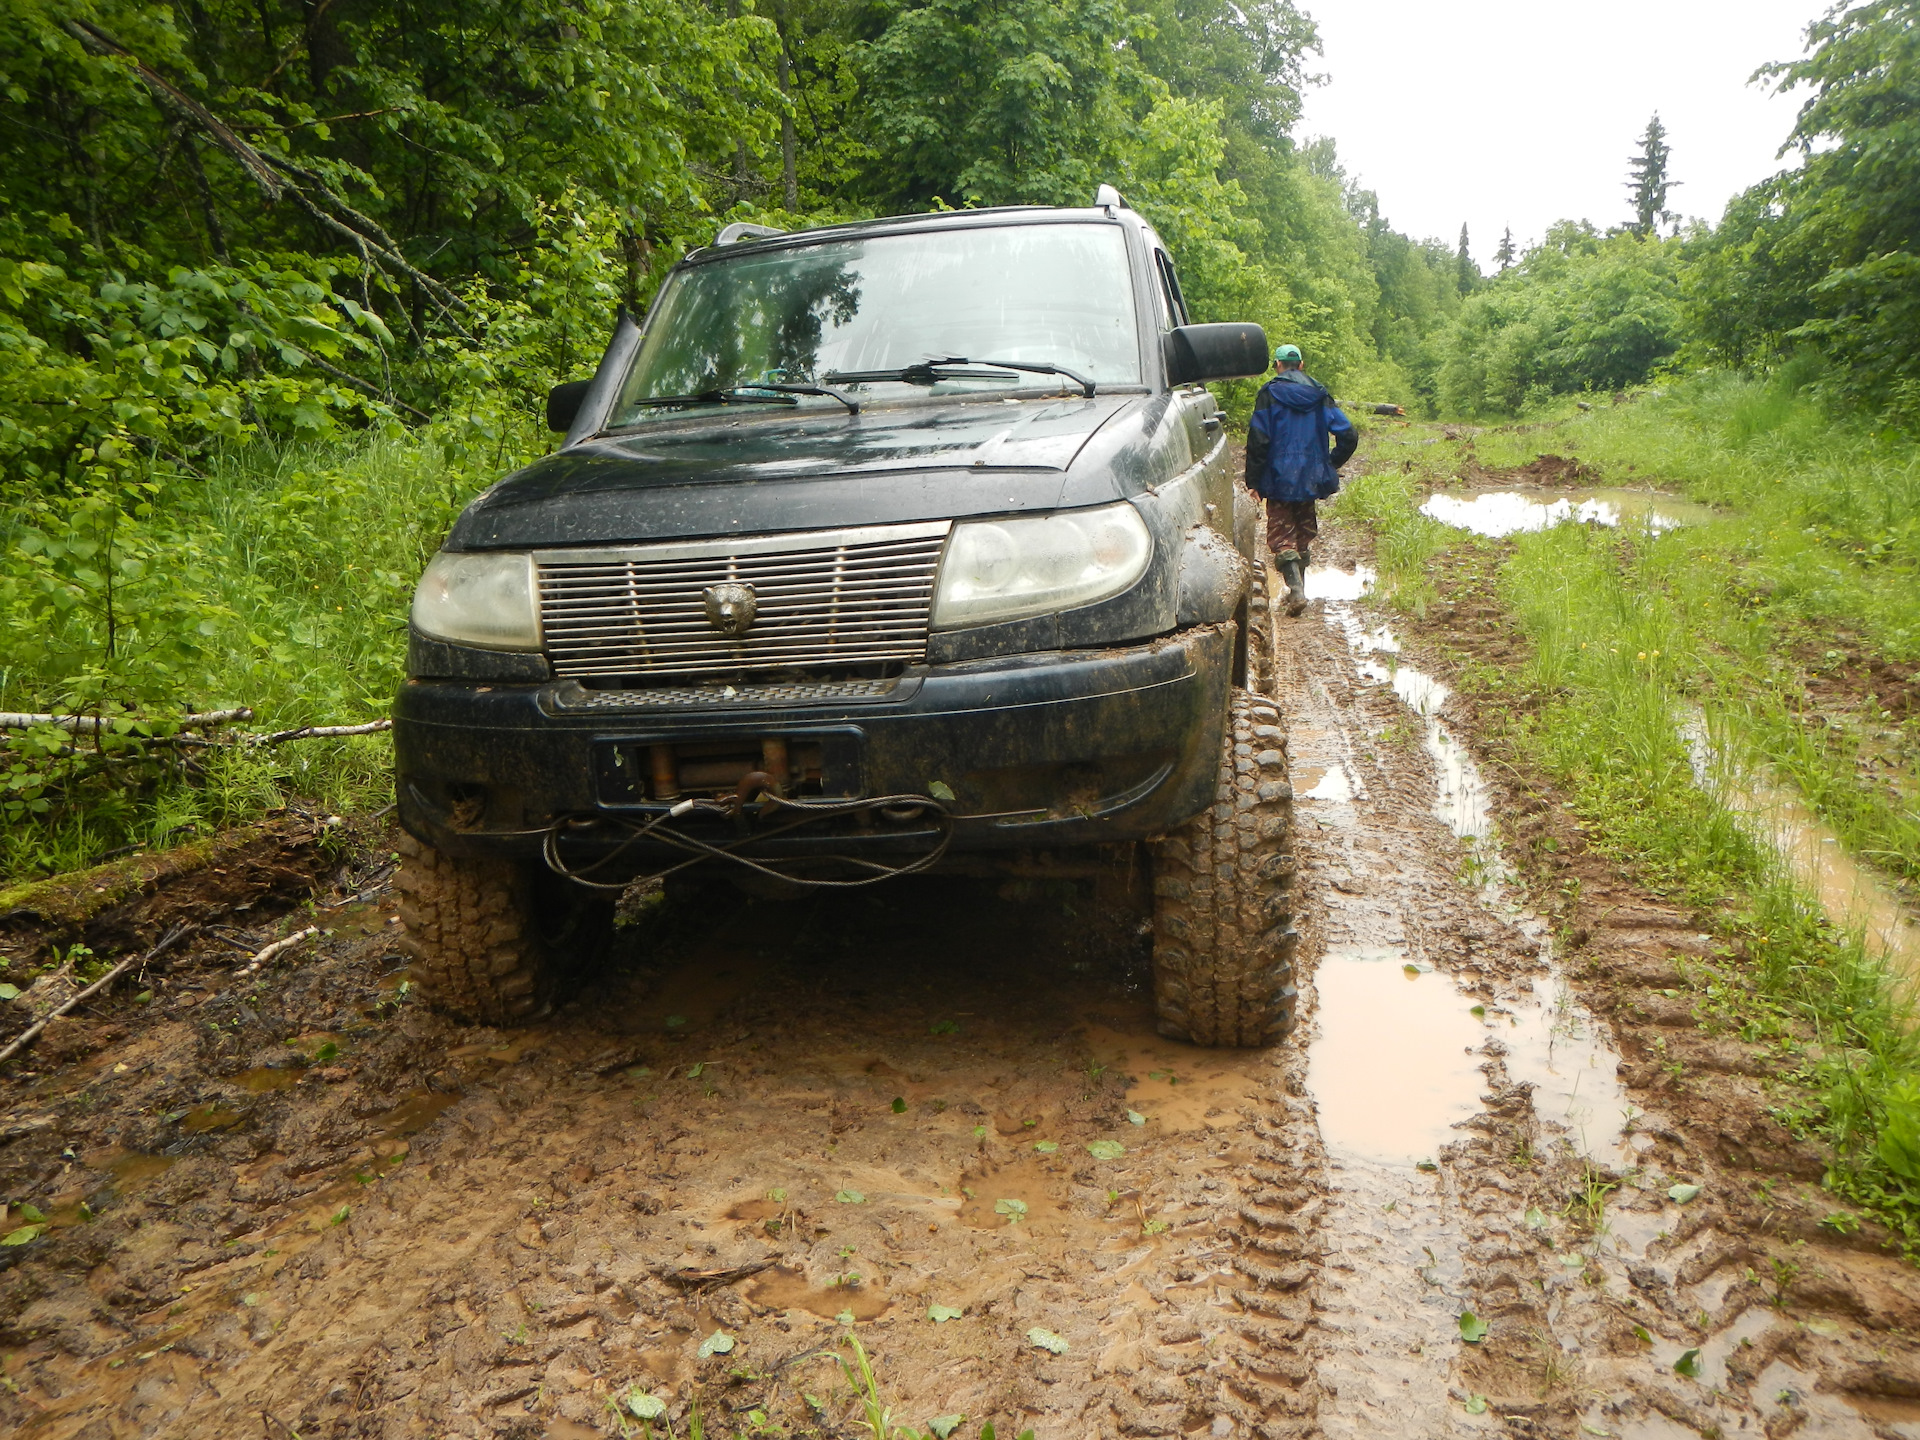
(479, 599)
(1009, 569)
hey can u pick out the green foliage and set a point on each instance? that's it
(1579, 312)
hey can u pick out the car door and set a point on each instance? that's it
(1199, 411)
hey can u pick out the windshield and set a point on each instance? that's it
(1047, 294)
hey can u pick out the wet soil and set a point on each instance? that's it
(293, 1202)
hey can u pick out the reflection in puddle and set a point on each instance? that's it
(1496, 513)
(1392, 1068)
(1853, 896)
(1554, 1043)
(1328, 582)
(1333, 783)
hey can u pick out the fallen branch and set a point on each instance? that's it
(319, 732)
(96, 725)
(277, 948)
(32, 1032)
(703, 1279)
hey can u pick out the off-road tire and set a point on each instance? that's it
(1259, 632)
(1223, 936)
(468, 926)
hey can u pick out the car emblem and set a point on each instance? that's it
(730, 608)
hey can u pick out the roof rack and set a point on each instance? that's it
(741, 230)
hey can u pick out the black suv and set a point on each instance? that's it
(881, 548)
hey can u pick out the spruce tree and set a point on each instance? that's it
(1505, 255)
(1648, 183)
(1466, 273)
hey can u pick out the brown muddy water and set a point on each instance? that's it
(1856, 898)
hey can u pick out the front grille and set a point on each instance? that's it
(824, 598)
(821, 692)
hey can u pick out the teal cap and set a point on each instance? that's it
(1285, 353)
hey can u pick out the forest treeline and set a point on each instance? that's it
(283, 282)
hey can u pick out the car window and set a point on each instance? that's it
(1175, 302)
(1056, 294)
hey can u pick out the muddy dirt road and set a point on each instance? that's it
(1501, 1182)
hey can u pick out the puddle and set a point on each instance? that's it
(1329, 582)
(1554, 1043)
(1497, 513)
(263, 1078)
(1015, 1196)
(783, 1288)
(205, 1119)
(131, 1169)
(1852, 895)
(1393, 1067)
(1332, 783)
(414, 1114)
(1181, 1087)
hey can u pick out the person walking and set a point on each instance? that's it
(1290, 464)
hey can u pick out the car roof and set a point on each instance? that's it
(934, 220)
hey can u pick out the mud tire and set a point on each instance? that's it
(1223, 936)
(468, 928)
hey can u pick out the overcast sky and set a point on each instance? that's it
(1523, 112)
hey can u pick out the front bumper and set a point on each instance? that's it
(1049, 750)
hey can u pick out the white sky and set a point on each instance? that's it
(1523, 112)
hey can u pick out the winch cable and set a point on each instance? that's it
(807, 813)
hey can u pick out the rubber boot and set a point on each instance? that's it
(1306, 559)
(1292, 572)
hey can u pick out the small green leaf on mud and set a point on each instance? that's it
(675, 1022)
(145, 997)
(1681, 1194)
(1472, 1328)
(979, 1132)
(643, 1406)
(718, 1343)
(1411, 968)
(944, 1027)
(1047, 1340)
(249, 1300)
(1688, 1364)
(341, 1215)
(944, 1425)
(1014, 1210)
(940, 1314)
(640, 1072)
(778, 1196)
(328, 1051)
(1045, 1147)
(22, 1235)
(31, 1212)
(694, 1072)
(1536, 1218)
(1643, 1335)
(899, 1105)
(845, 1317)
(9, 992)
(850, 1197)
(940, 790)
(1476, 1404)
(1479, 1012)
(1428, 1166)
(1134, 1117)
(1106, 1149)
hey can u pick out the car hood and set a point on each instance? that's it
(756, 472)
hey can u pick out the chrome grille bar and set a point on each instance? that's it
(824, 598)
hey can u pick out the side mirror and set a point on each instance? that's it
(563, 403)
(1214, 352)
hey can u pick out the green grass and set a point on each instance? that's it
(1627, 631)
(294, 566)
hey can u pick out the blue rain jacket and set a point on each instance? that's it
(1288, 456)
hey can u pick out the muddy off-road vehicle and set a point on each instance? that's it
(882, 548)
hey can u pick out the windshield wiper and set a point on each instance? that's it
(754, 394)
(926, 372)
